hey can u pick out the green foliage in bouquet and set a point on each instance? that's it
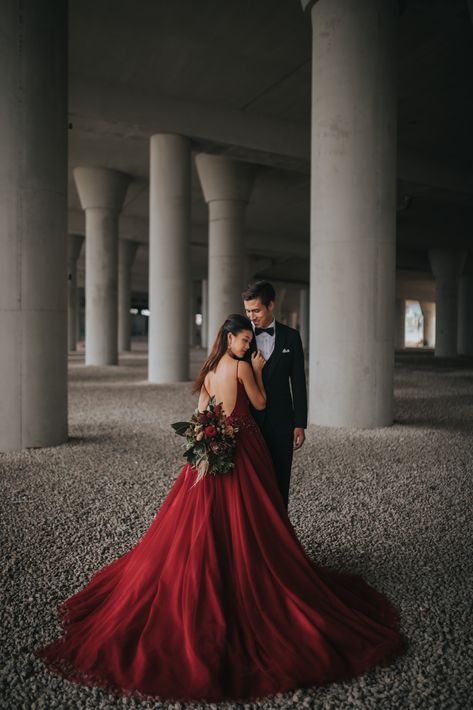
(210, 445)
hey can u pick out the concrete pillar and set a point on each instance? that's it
(126, 256)
(204, 331)
(278, 306)
(447, 265)
(304, 315)
(74, 246)
(248, 269)
(80, 312)
(169, 267)
(465, 309)
(353, 210)
(428, 311)
(193, 309)
(227, 186)
(33, 224)
(102, 192)
(470, 8)
(400, 324)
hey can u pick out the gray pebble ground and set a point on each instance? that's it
(393, 504)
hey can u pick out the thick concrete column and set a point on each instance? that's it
(278, 306)
(102, 192)
(227, 186)
(400, 324)
(465, 309)
(33, 224)
(74, 246)
(304, 317)
(470, 8)
(126, 256)
(80, 312)
(193, 306)
(169, 266)
(446, 265)
(204, 331)
(428, 311)
(353, 211)
(293, 319)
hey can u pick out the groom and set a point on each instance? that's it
(283, 421)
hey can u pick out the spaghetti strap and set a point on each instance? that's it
(238, 362)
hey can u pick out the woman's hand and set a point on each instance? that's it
(257, 361)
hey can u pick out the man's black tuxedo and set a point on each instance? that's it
(286, 400)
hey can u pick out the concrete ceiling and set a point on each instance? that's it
(244, 55)
(235, 77)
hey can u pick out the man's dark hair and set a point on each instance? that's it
(260, 289)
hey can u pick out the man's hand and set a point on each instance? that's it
(299, 437)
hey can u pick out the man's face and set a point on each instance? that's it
(258, 313)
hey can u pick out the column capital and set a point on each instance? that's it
(101, 187)
(223, 178)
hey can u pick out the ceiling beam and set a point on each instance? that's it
(114, 111)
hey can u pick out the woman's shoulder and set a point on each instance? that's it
(243, 367)
(225, 371)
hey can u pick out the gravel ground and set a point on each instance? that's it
(393, 504)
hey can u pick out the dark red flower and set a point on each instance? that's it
(202, 418)
(210, 431)
(217, 409)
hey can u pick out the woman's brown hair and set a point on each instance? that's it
(234, 324)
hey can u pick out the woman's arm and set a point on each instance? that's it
(252, 379)
(203, 399)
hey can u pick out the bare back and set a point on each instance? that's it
(223, 384)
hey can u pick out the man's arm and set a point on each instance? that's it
(299, 391)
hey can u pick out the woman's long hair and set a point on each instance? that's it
(234, 324)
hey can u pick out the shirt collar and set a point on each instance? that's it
(271, 325)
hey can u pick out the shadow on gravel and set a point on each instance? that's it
(428, 362)
(90, 439)
(434, 420)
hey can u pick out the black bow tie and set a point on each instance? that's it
(269, 331)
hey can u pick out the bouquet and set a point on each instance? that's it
(210, 440)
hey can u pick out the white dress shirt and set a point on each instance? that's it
(265, 341)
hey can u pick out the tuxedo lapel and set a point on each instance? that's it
(252, 349)
(280, 342)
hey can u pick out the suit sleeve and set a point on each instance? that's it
(298, 384)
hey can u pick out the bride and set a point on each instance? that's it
(218, 599)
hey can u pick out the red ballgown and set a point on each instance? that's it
(219, 601)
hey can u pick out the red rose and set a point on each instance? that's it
(217, 409)
(210, 431)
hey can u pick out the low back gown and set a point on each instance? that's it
(219, 601)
